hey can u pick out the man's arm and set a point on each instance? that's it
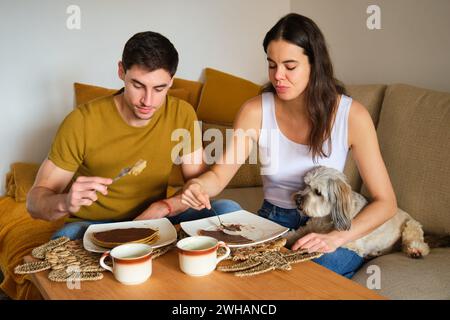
(47, 202)
(192, 165)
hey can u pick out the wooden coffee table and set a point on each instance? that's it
(306, 280)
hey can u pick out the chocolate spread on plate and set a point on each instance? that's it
(233, 227)
(225, 237)
(123, 235)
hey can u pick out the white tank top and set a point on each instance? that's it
(284, 162)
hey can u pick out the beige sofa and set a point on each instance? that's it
(413, 127)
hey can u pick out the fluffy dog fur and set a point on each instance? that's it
(330, 203)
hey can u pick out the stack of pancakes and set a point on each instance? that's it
(115, 237)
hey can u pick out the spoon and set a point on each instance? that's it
(222, 225)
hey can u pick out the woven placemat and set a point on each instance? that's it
(262, 258)
(68, 260)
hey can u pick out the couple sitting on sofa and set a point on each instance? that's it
(315, 123)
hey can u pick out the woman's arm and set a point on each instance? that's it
(192, 165)
(366, 153)
(246, 127)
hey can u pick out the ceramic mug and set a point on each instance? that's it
(132, 262)
(198, 254)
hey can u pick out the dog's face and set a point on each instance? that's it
(326, 192)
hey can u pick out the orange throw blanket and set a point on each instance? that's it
(19, 233)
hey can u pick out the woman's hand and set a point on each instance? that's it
(195, 196)
(317, 242)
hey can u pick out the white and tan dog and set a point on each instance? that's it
(331, 204)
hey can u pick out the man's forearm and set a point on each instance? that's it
(176, 205)
(45, 204)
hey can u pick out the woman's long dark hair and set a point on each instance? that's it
(321, 94)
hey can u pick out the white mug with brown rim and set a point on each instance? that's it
(132, 262)
(198, 254)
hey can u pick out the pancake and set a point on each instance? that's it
(138, 167)
(115, 237)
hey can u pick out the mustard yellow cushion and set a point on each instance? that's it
(180, 93)
(222, 96)
(20, 180)
(193, 87)
(86, 92)
(248, 174)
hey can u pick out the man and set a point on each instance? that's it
(98, 139)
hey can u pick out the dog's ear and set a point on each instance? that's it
(341, 197)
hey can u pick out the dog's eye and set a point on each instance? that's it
(317, 192)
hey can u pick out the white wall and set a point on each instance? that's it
(40, 58)
(412, 46)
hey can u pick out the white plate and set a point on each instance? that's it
(253, 227)
(167, 232)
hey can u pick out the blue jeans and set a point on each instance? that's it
(220, 206)
(76, 230)
(342, 261)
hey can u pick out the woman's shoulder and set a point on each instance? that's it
(358, 112)
(253, 104)
(250, 114)
(359, 121)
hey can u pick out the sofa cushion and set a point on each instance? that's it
(193, 87)
(20, 180)
(414, 131)
(406, 278)
(222, 96)
(250, 199)
(86, 92)
(247, 176)
(371, 96)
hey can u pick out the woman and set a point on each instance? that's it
(316, 124)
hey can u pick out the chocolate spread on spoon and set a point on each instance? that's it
(232, 227)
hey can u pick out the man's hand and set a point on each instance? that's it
(84, 192)
(317, 242)
(155, 211)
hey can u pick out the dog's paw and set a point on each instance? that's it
(417, 249)
(290, 236)
(414, 253)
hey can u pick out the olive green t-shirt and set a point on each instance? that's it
(94, 140)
